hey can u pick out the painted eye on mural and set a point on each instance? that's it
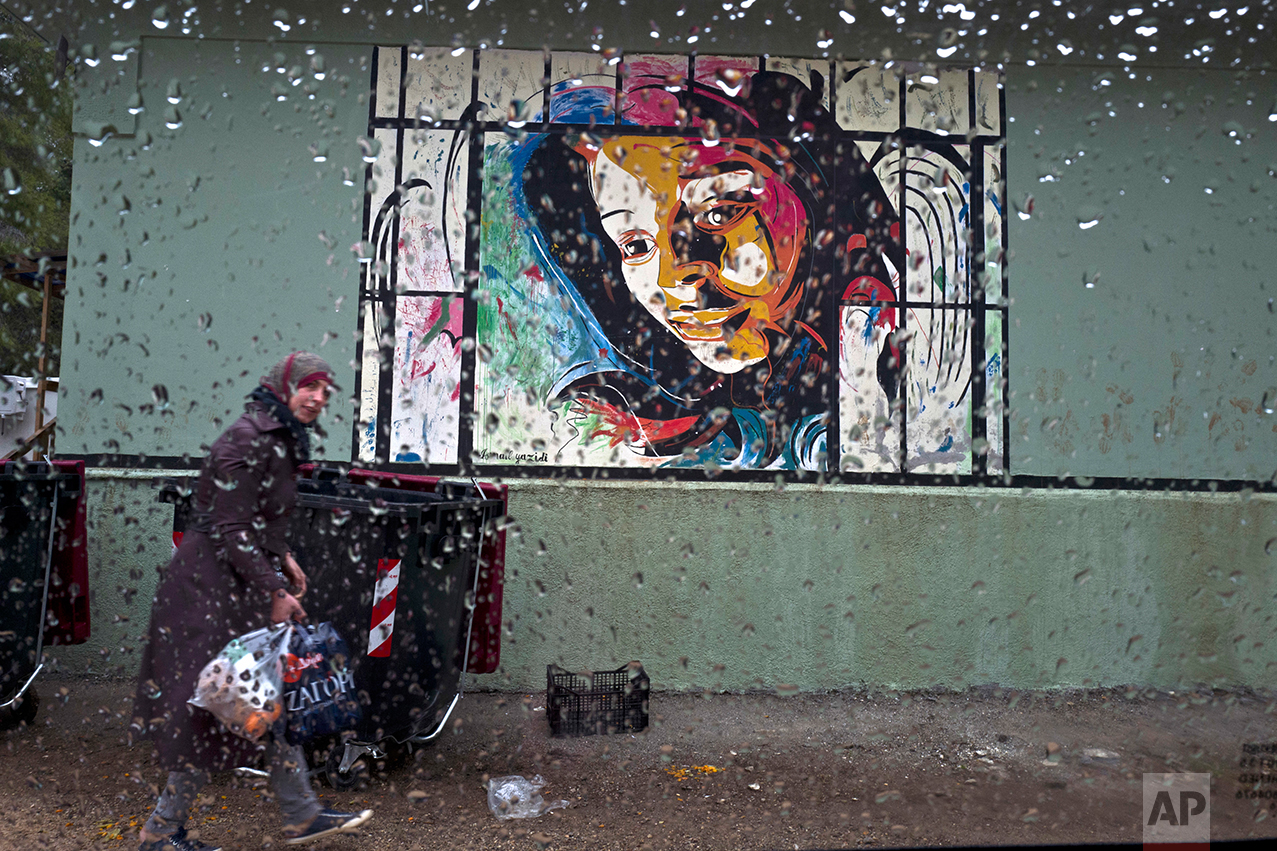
(637, 246)
(722, 215)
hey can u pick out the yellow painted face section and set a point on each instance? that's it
(709, 241)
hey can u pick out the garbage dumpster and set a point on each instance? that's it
(484, 649)
(395, 571)
(67, 613)
(33, 497)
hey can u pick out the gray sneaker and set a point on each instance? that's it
(327, 823)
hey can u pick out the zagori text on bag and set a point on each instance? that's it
(335, 683)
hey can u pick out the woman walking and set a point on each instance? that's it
(232, 574)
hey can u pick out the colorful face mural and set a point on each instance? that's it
(683, 264)
(709, 241)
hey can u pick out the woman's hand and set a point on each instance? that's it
(295, 575)
(284, 606)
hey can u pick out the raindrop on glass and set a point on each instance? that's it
(1024, 208)
(1088, 217)
(98, 132)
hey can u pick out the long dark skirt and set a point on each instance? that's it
(200, 605)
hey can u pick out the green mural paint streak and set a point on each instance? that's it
(514, 316)
(493, 246)
(993, 339)
(590, 426)
(527, 334)
(445, 315)
(508, 317)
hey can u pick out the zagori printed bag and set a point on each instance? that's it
(319, 687)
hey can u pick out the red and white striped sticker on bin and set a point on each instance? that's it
(383, 607)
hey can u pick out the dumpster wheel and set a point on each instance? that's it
(22, 712)
(356, 774)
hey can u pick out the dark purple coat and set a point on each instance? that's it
(217, 587)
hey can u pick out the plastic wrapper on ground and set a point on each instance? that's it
(515, 796)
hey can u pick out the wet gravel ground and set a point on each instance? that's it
(712, 772)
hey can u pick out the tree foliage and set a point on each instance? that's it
(20, 331)
(35, 144)
(35, 184)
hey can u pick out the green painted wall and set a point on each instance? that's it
(1163, 366)
(201, 255)
(823, 588)
(755, 587)
(814, 588)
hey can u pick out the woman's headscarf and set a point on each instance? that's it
(296, 370)
(278, 386)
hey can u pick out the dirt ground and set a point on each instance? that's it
(712, 772)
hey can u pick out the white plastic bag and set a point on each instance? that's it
(243, 685)
(516, 797)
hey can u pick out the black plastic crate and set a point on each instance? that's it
(596, 703)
